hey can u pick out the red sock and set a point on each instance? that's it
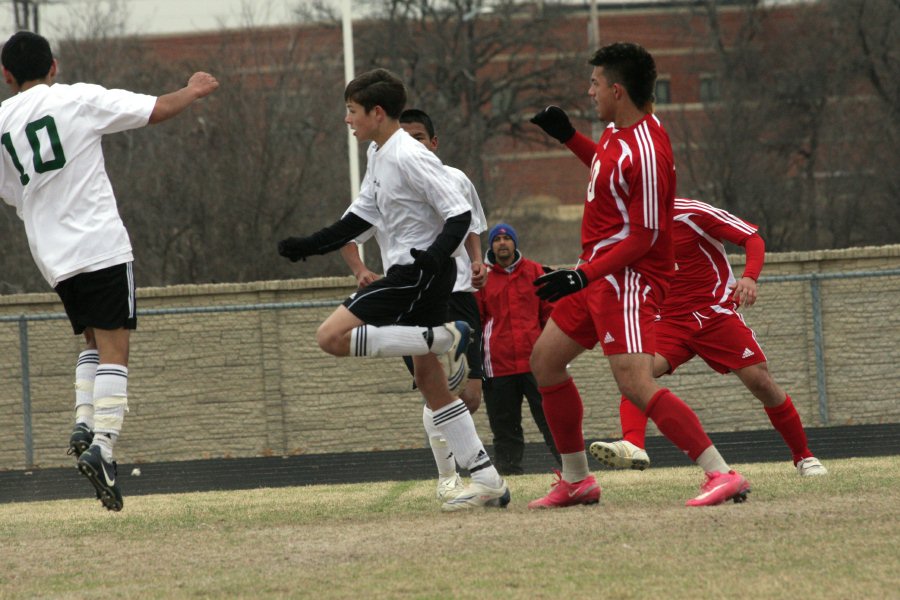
(634, 422)
(678, 422)
(787, 422)
(564, 411)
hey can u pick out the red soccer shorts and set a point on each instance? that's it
(718, 336)
(619, 311)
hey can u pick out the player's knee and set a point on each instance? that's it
(328, 341)
(471, 396)
(638, 392)
(760, 383)
(541, 366)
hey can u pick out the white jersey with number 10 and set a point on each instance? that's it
(52, 171)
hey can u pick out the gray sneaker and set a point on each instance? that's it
(811, 467)
(450, 488)
(620, 455)
(478, 495)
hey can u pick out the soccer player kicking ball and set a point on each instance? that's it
(52, 172)
(613, 295)
(424, 218)
(699, 318)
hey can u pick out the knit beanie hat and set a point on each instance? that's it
(503, 228)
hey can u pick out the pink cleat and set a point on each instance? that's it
(562, 493)
(720, 487)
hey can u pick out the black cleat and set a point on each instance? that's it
(102, 476)
(80, 440)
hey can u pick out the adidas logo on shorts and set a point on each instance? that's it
(747, 353)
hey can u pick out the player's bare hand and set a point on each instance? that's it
(365, 277)
(479, 275)
(744, 291)
(203, 84)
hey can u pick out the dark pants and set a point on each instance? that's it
(503, 399)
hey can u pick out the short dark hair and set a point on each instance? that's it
(378, 87)
(629, 65)
(27, 56)
(415, 115)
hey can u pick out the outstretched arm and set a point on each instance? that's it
(198, 86)
(325, 240)
(555, 123)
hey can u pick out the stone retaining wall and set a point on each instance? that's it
(252, 383)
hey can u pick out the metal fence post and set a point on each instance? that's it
(815, 291)
(26, 391)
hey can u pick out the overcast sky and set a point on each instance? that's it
(161, 16)
(180, 16)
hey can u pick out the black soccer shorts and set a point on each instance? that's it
(101, 299)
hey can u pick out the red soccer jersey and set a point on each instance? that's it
(703, 275)
(632, 183)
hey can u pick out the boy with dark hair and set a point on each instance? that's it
(470, 275)
(407, 194)
(52, 171)
(612, 297)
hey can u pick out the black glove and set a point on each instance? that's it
(555, 122)
(296, 248)
(556, 284)
(547, 268)
(427, 262)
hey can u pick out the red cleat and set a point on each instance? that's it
(563, 493)
(720, 487)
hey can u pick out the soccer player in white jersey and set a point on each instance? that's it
(407, 190)
(52, 171)
(699, 317)
(471, 274)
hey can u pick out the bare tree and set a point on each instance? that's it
(795, 140)
(480, 69)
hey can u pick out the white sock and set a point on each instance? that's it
(105, 441)
(399, 340)
(85, 371)
(710, 461)
(443, 456)
(110, 402)
(391, 340)
(574, 466)
(458, 428)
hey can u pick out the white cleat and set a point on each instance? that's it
(455, 358)
(478, 495)
(450, 487)
(811, 467)
(620, 455)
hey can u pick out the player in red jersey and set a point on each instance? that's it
(699, 318)
(613, 296)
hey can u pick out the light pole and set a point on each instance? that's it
(352, 146)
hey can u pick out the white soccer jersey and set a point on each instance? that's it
(408, 191)
(477, 226)
(53, 172)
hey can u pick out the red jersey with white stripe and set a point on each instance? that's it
(632, 183)
(703, 275)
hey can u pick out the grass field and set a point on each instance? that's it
(832, 537)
